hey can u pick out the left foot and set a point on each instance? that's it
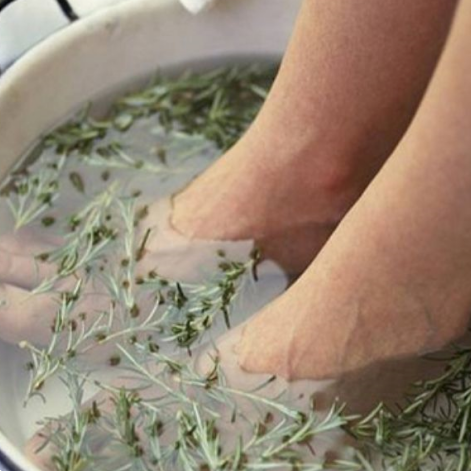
(285, 192)
(28, 316)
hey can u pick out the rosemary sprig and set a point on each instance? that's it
(113, 156)
(69, 436)
(180, 314)
(89, 235)
(45, 362)
(78, 135)
(31, 195)
(432, 432)
(171, 419)
(192, 309)
(218, 105)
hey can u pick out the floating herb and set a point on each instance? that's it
(48, 221)
(174, 417)
(77, 181)
(432, 432)
(32, 195)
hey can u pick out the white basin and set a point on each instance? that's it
(96, 55)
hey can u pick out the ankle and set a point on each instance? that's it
(319, 172)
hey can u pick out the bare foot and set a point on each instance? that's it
(282, 197)
(333, 325)
(330, 121)
(27, 314)
(387, 285)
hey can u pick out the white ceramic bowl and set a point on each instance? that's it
(91, 57)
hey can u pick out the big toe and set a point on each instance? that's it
(24, 271)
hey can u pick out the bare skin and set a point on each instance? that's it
(397, 268)
(350, 82)
(287, 185)
(394, 279)
(24, 316)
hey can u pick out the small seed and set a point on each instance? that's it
(77, 182)
(135, 311)
(115, 360)
(48, 221)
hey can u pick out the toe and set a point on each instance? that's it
(24, 271)
(28, 241)
(38, 454)
(25, 316)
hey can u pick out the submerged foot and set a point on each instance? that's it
(137, 283)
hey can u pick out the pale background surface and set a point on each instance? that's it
(26, 22)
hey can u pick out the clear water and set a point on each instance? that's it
(19, 420)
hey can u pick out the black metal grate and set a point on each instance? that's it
(64, 5)
(5, 3)
(67, 9)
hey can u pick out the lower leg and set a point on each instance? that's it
(349, 84)
(395, 278)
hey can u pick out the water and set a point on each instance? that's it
(179, 258)
(141, 175)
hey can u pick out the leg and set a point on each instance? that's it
(348, 87)
(395, 278)
(351, 82)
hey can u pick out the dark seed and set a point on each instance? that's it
(77, 182)
(48, 221)
(115, 360)
(135, 311)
